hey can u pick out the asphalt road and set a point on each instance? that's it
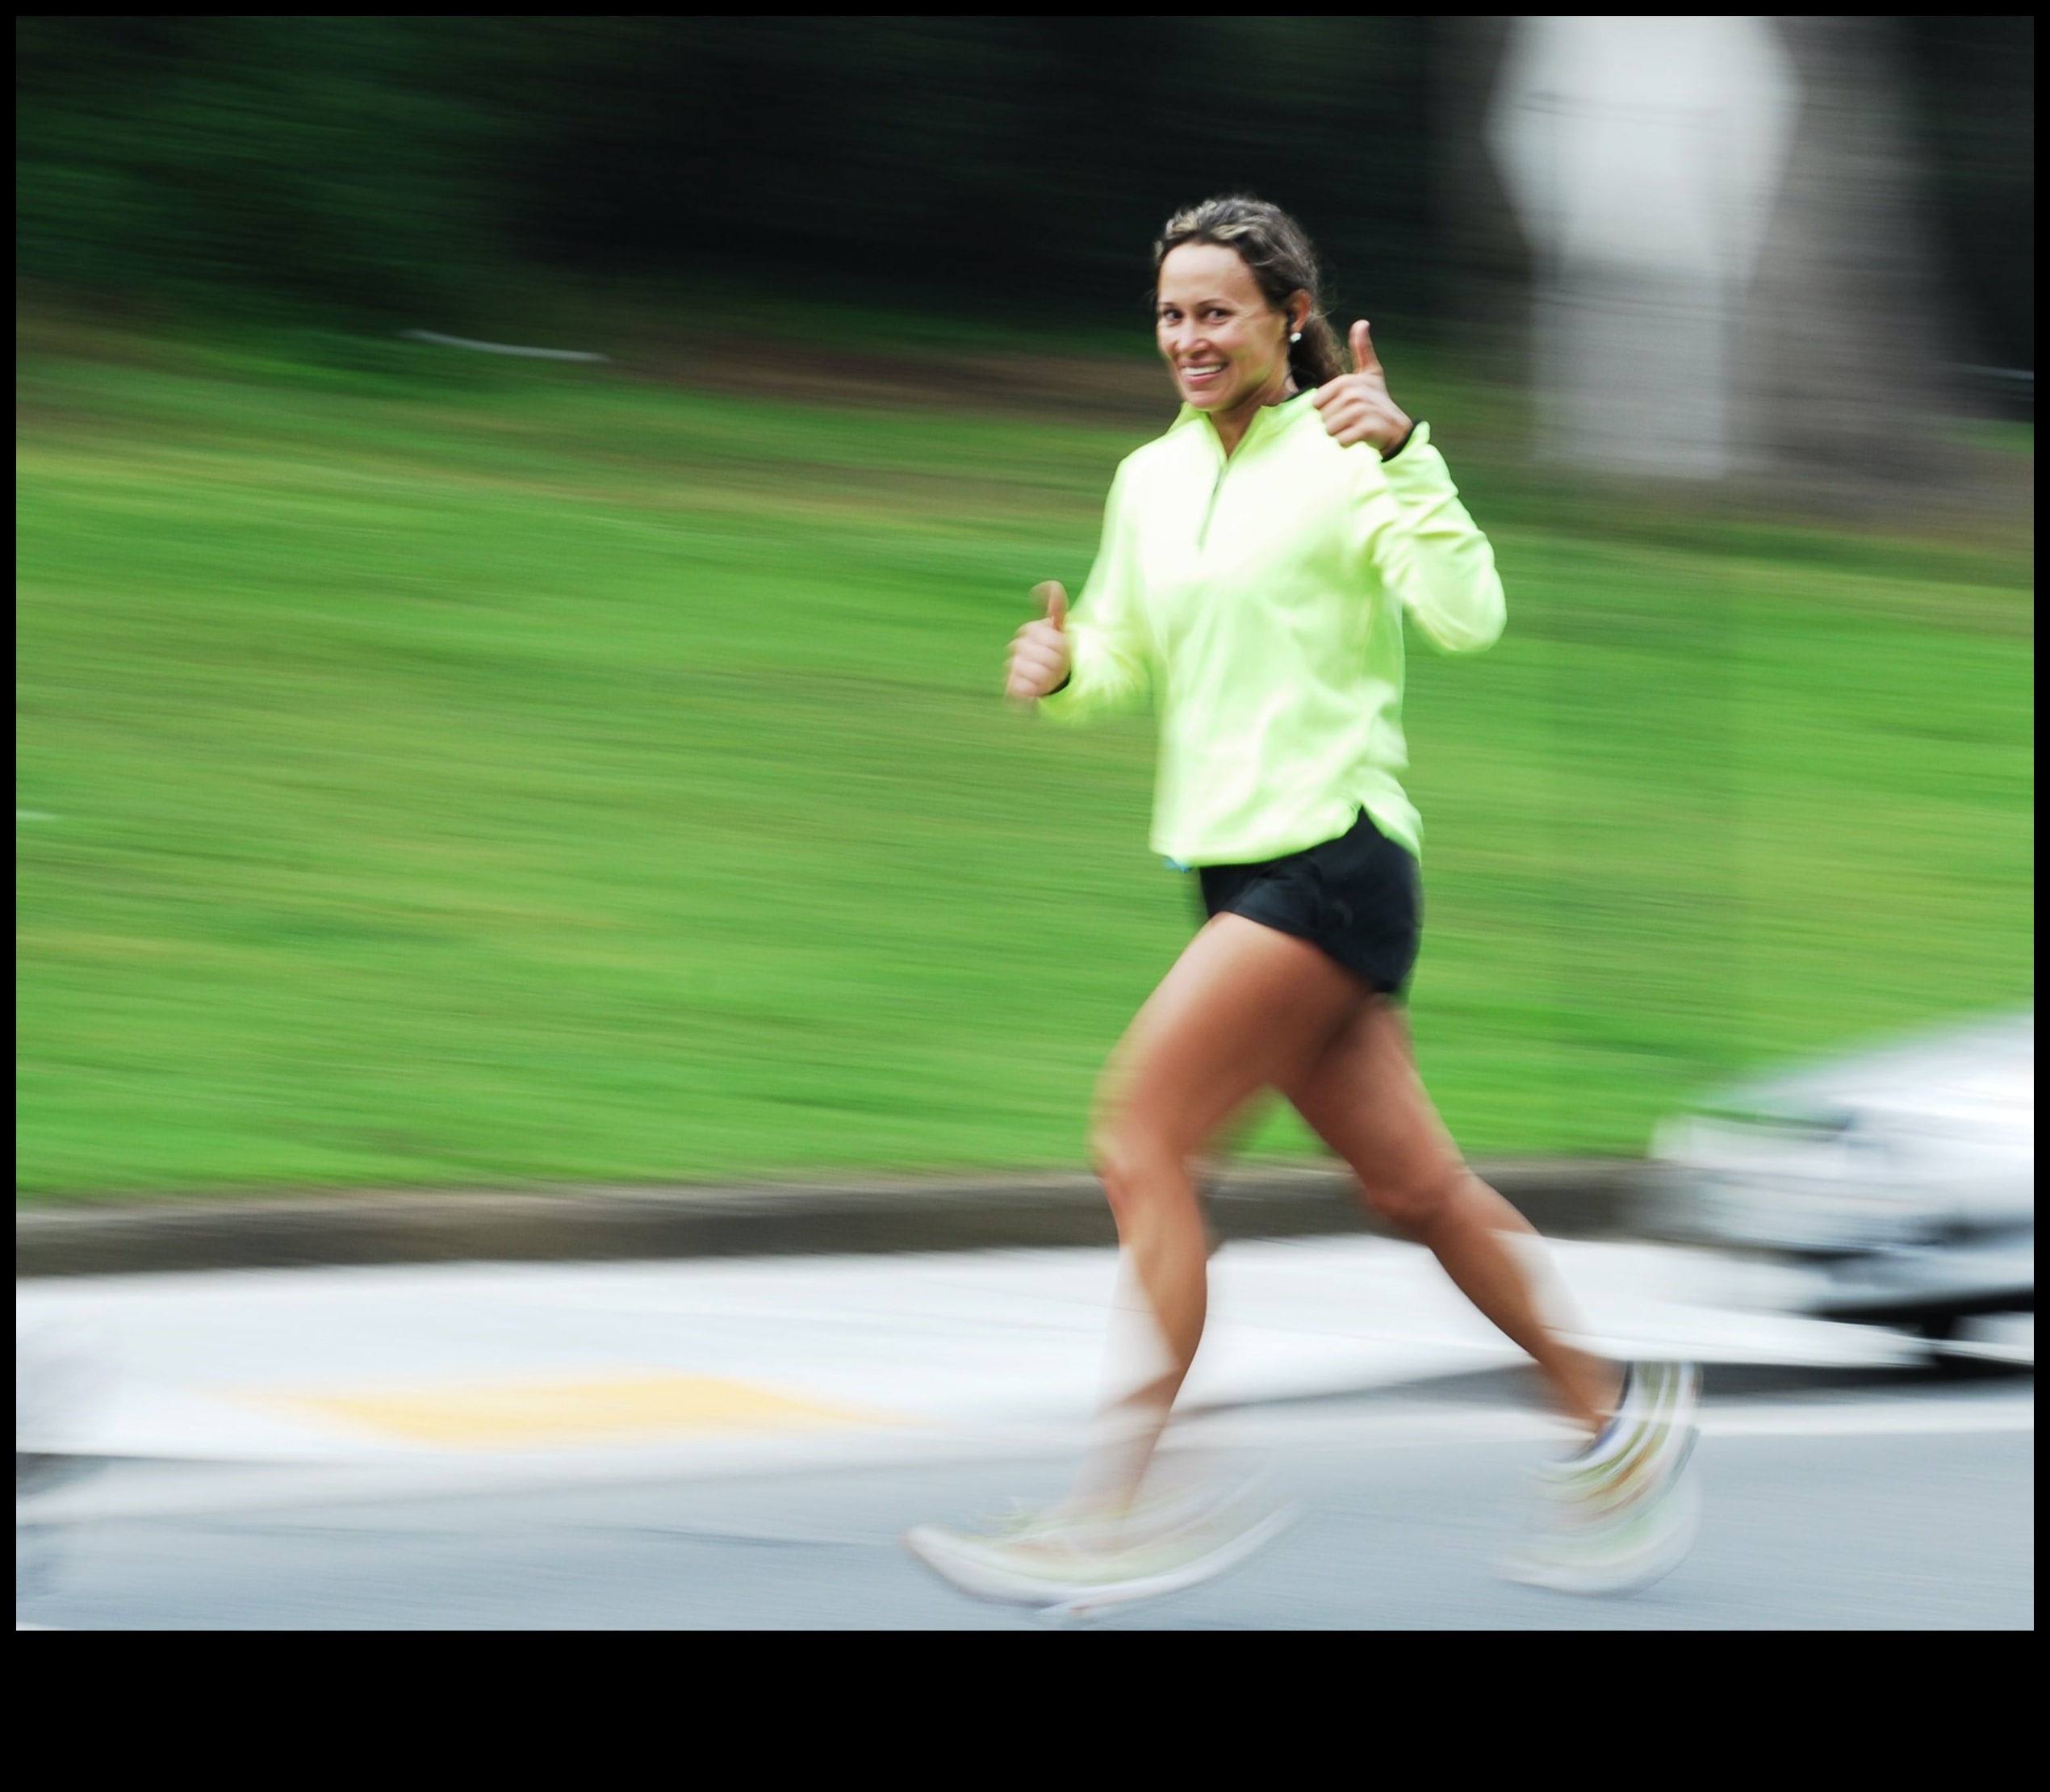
(1888, 1501)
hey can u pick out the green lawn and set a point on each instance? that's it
(470, 774)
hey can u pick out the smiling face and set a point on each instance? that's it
(1225, 344)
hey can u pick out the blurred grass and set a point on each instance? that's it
(438, 770)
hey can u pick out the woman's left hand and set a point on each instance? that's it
(1356, 406)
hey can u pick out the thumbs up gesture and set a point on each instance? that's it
(1037, 664)
(1356, 406)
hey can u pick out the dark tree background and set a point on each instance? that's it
(1973, 81)
(402, 168)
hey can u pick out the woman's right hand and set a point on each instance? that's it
(1037, 664)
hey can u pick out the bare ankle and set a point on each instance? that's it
(1600, 1394)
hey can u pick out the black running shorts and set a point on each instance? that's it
(1358, 899)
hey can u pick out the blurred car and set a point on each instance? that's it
(1902, 1179)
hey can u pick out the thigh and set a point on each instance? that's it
(1243, 1008)
(1363, 1097)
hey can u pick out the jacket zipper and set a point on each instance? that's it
(1217, 485)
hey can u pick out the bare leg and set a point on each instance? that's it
(1243, 1008)
(1365, 1100)
(1213, 1163)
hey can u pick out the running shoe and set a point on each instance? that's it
(1063, 1564)
(1624, 1512)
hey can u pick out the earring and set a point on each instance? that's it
(1295, 335)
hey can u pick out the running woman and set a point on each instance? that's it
(1257, 562)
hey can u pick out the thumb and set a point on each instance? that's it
(1364, 360)
(1054, 595)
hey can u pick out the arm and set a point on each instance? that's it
(1110, 651)
(1432, 557)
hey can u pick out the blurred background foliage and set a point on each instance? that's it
(400, 169)
(438, 769)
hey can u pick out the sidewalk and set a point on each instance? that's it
(424, 1377)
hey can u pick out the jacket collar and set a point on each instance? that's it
(1282, 414)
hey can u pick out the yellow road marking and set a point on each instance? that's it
(487, 1415)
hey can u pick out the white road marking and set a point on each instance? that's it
(1896, 1418)
(139, 1490)
(1422, 1426)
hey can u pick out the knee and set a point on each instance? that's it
(1129, 1158)
(1413, 1204)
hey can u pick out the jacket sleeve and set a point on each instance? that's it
(1433, 557)
(1110, 649)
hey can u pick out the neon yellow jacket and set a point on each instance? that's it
(1259, 600)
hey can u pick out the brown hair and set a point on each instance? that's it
(1278, 252)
